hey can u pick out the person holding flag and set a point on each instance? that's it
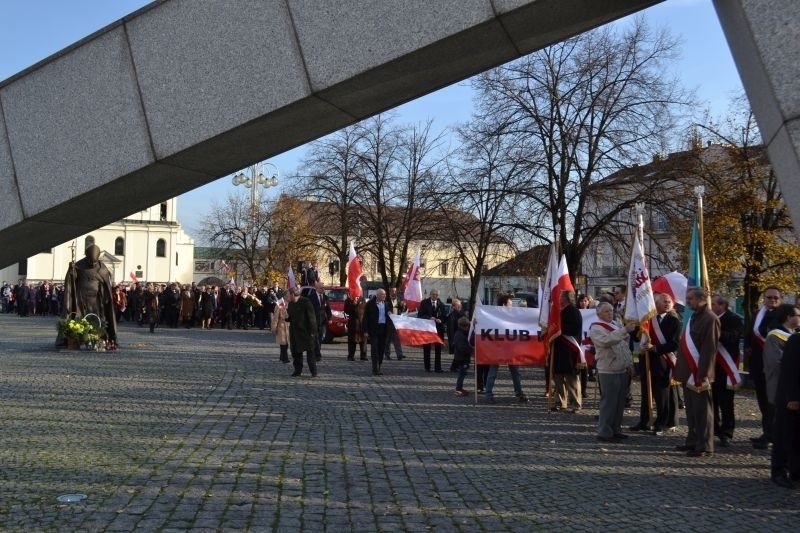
(698, 348)
(661, 350)
(567, 352)
(636, 303)
(614, 368)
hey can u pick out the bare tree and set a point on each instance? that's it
(240, 231)
(593, 104)
(396, 162)
(479, 199)
(329, 174)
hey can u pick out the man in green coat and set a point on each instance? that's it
(302, 331)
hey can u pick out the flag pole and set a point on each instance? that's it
(699, 191)
(643, 337)
(551, 355)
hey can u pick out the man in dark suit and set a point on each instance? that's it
(754, 349)
(698, 351)
(566, 353)
(376, 327)
(456, 312)
(785, 458)
(731, 328)
(322, 308)
(432, 309)
(665, 337)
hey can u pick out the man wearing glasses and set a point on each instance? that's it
(754, 346)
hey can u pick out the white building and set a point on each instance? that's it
(150, 244)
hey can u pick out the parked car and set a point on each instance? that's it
(337, 324)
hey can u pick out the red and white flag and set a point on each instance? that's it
(134, 278)
(225, 266)
(415, 331)
(412, 291)
(673, 284)
(290, 281)
(560, 283)
(354, 273)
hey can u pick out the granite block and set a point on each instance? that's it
(784, 154)
(344, 38)
(75, 122)
(10, 206)
(206, 67)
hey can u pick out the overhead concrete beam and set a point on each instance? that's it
(185, 91)
(764, 37)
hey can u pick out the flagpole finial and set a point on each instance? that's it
(699, 190)
(639, 208)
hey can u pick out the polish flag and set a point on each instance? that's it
(673, 284)
(290, 281)
(134, 278)
(225, 266)
(561, 283)
(412, 290)
(415, 331)
(354, 272)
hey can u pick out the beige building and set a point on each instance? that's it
(151, 244)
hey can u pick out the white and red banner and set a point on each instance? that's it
(412, 285)
(225, 266)
(354, 273)
(415, 331)
(673, 284)
(290, 280)
(134, 278)
(510, 335)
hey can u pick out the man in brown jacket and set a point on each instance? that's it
(695, 369)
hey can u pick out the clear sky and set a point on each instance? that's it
(31, 30)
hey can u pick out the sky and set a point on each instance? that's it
(31, 30)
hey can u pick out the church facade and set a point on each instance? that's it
(149, 244)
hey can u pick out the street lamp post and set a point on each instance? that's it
(259, 176)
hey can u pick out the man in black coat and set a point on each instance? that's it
(785, 458)
(322, 308)
(456, 312)
(566, 351)
(662, 351)
(731, 329)
(431, 308)
(376, 327)
(754, 347)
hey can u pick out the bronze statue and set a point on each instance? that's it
(87, 289)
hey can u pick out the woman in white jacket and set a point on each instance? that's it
(614, 367)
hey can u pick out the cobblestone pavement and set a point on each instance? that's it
(205, 431)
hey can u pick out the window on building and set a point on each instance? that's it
(176, 258)
(88, 242)
(119, 246)
(164, 211)
(443, 269)
(161, 248)
(660, 223)
(464, 269)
